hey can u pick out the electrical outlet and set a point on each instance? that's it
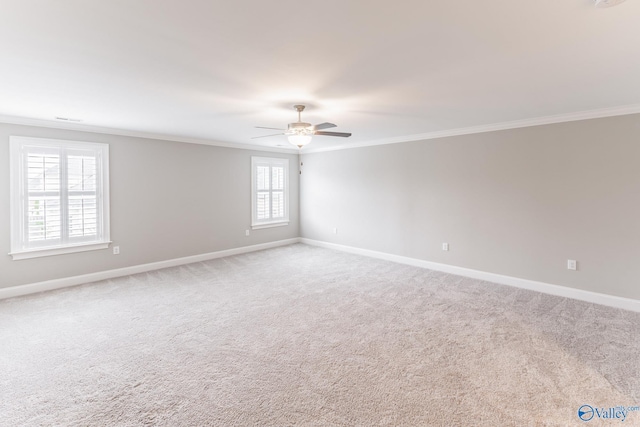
(335, 230)
(572, 264)
(116, 250)
(246, 232)
(445, 246)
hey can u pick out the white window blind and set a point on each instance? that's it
(269, 191)
(59, 196)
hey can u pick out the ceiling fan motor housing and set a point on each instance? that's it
(300, 128)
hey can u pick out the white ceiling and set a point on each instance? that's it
(380, 69)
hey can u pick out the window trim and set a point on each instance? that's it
(58, 250)
(272, 161)
(18, 189)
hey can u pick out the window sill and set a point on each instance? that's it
(37, 253)
(269, 225)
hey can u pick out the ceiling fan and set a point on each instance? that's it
(299, 133)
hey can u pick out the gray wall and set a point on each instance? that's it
(168, 200)
(516, 202)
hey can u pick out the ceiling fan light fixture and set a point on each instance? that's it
(299, 140)
(299, 133)
(608, 3)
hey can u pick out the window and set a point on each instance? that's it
(59, 197)
(269, 192)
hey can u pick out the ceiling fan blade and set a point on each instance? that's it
(266, 136)
(324, 125)
(262, 127)
(342, 134)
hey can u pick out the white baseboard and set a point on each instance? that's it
(49, 285)
(563, 291)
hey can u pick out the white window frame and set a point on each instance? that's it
(271, 161)
(20, 247)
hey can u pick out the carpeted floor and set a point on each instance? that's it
(305, 336)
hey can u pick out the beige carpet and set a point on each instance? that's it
(307, 336)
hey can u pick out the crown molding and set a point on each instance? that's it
(25, 121)
(537, 121)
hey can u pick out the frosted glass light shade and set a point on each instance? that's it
(299, 140)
